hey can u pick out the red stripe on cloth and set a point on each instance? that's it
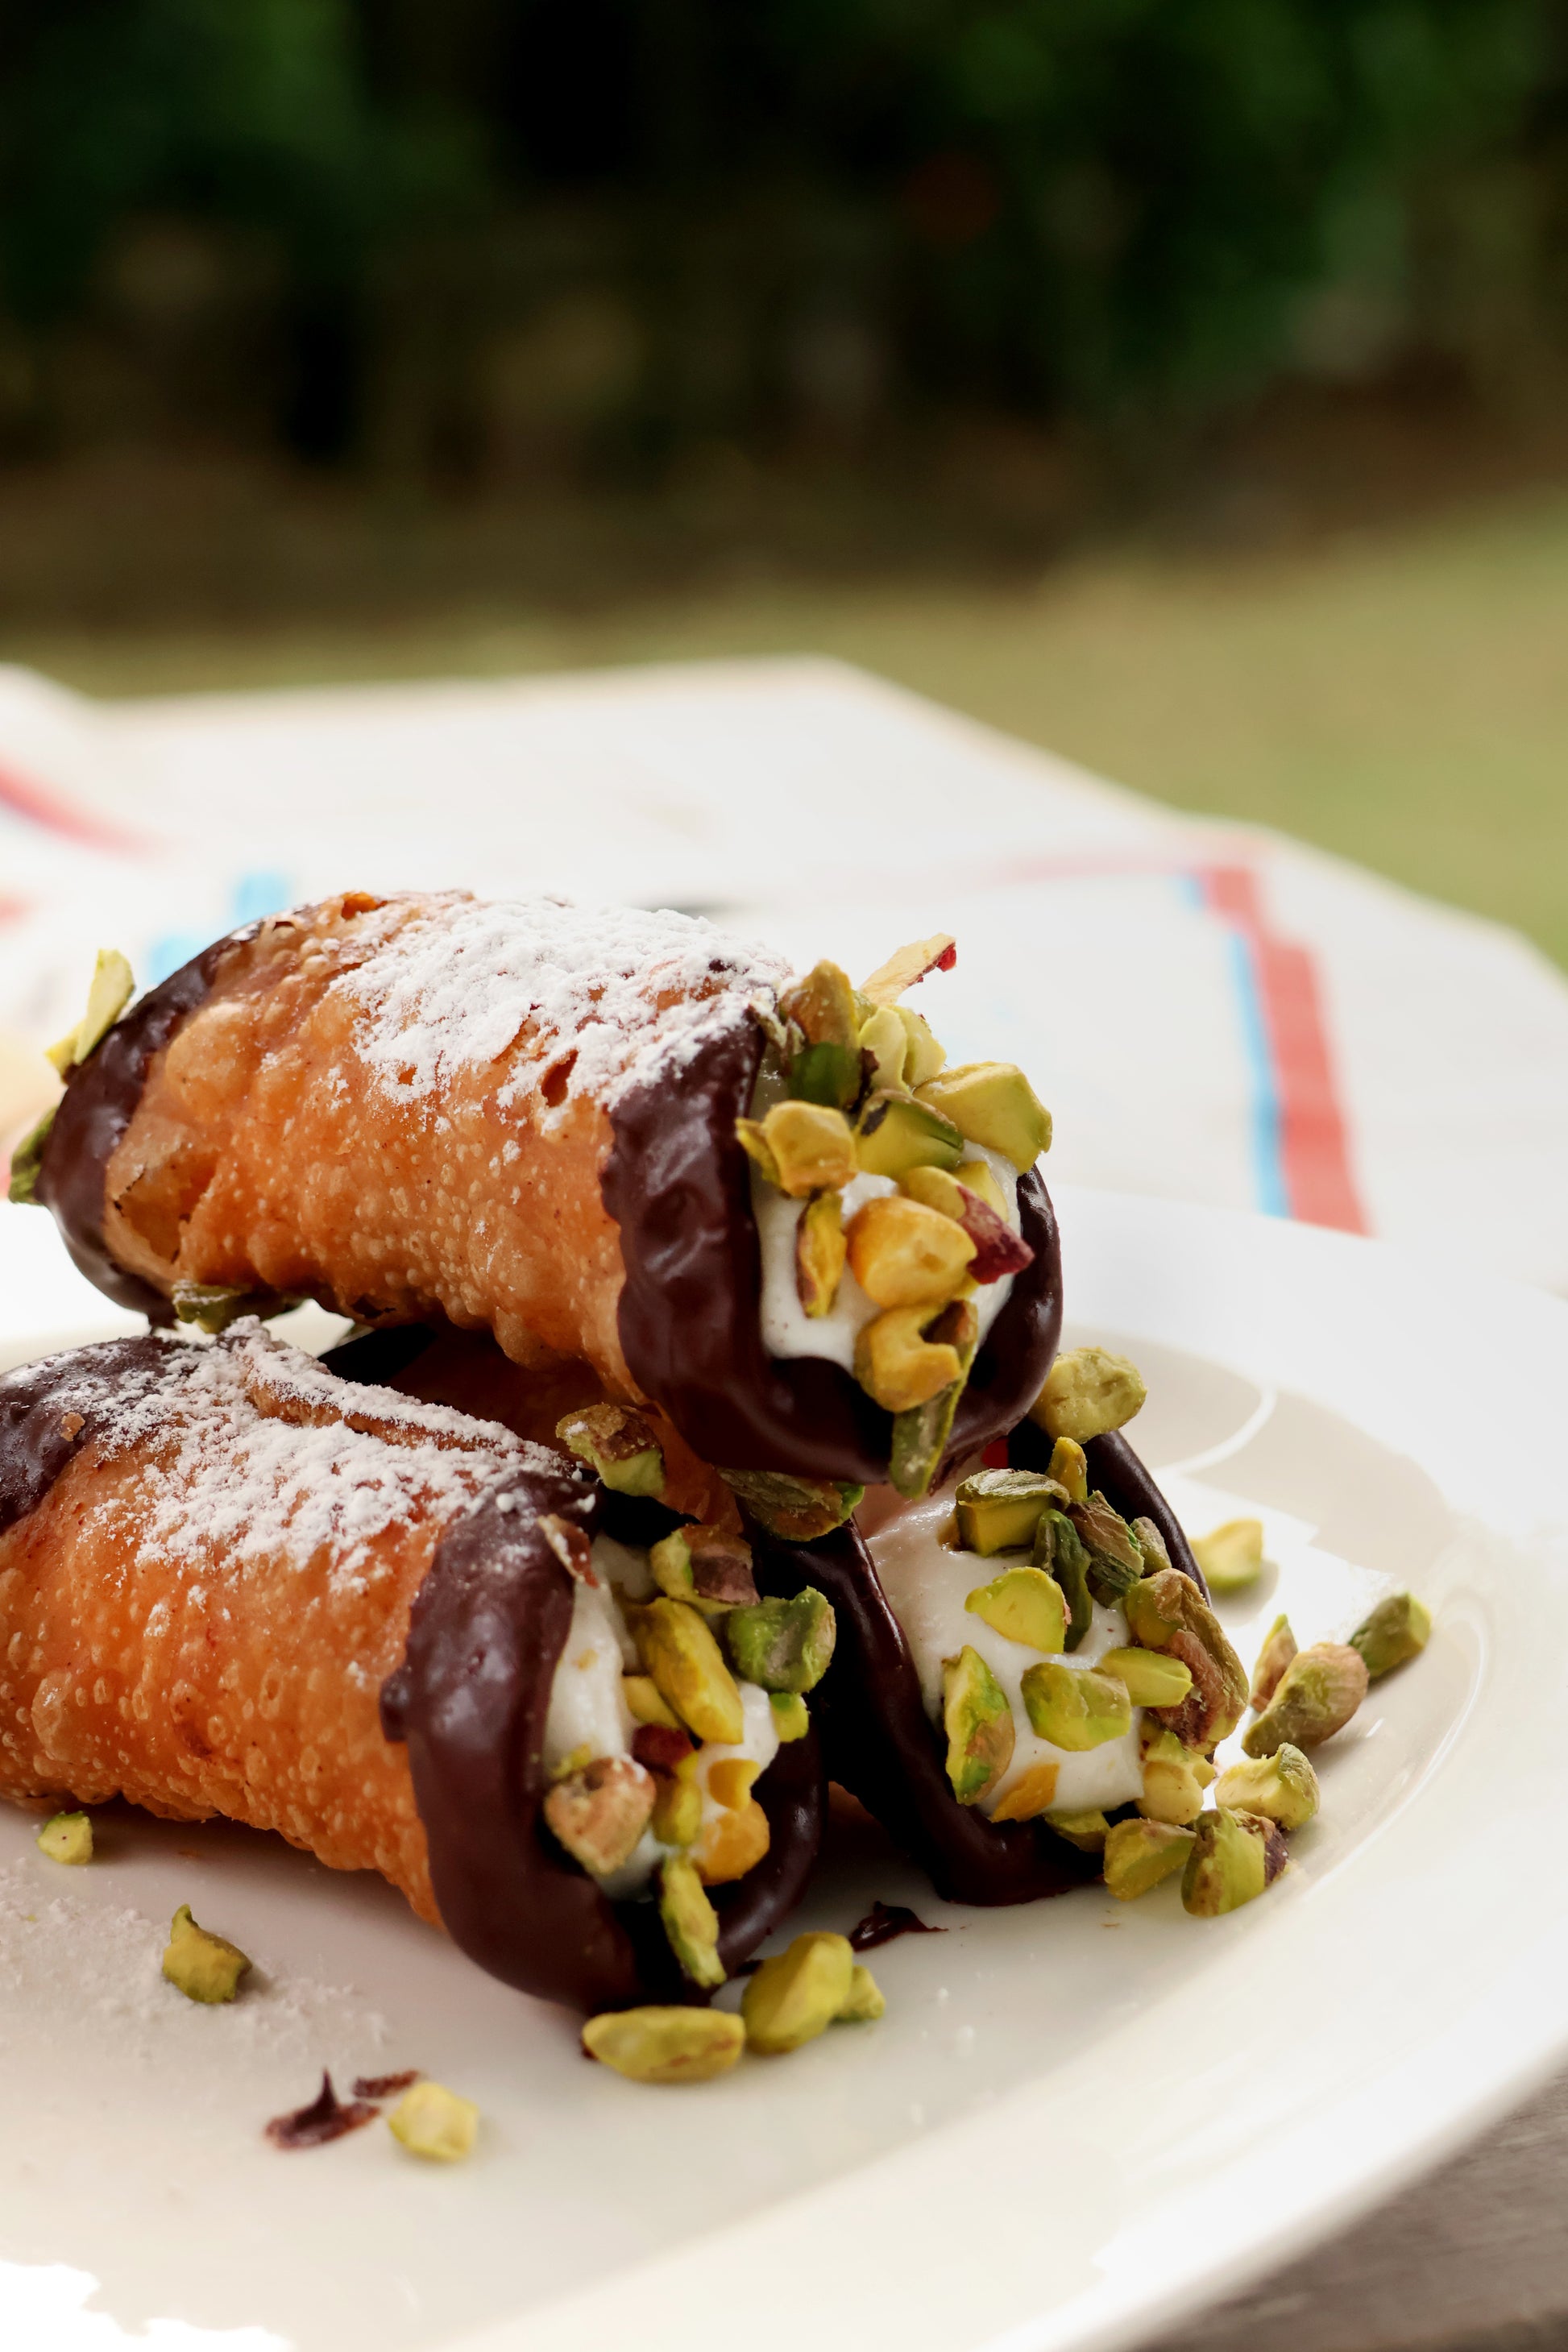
(1314, 1142)
(41, 806)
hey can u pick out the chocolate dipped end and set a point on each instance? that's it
(1117, 1473)
(470, 1699)
(50, 1410)
(98, 1105)
(882, 1745)
(678, 1185)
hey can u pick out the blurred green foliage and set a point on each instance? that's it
(487, 235)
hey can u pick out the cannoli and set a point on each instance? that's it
(1023, 1655)
(232, 1583)
(771, 1212)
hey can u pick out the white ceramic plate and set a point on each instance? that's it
(1076, 2121)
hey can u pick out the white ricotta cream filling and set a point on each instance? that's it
(927, 1585)
(587, 1707)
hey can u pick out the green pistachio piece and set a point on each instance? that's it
(680, 1654)
(28, 1161)
(826, 1074)
(1087, 1831)
(885, 1039)
(677, 1818)
(65, 1837)
(1231, 1557)
(689, 1921)
(998, 1510)
(1070, 1468)
(1283, 1787)
(1025, 1605)
(110, 991)
(921, 1432)
(1397, 1629)
(1075, 1708)
(599, 1813)
(1174, 1778)
(782, 1645)
(798, 1510)
(895, 1133)
(1057, 1549)
(618, 1446)
(823, 1007)
(791, 1718)
(820, 1251)
(909, 964)
(796, 1995)
(435, 2122)
(810, 1146)
(1167, 1612)
(978, 1722)
(1279, 1649)
(993, 1105)
(1234, 1856)
(1152, 1678)
(659, 2044)
(1319, 1692)
(1115, 1562)
(1152, 1544)
(1088, 1392)
(749, 1135)
(214, 1306)
(863, 2003)
(204, 1967)
(1139, 1854)
(705, 1566)
(924, 1055)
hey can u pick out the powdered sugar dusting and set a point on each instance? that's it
(626, 995)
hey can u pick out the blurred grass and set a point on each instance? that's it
(1401, 699)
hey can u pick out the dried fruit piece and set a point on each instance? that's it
(1167, 1612)
(782, 1645)
(1087, 1830)
(1283, 1787)
(618, 1446)
(1026, 1605)
(1075, 1708)
(1279, 1649)
(1231, 1555)
(204, 1967)
(1398, 1629)
(908, 964)
(1139, 1854)
(895, 1133)
(1319, 1692)
(820, 1251)
(435, 2122)
(1174, 1778)
(599, 1813)
(863, 2003)
(999, 1249)
(1030, 1795)
(992, 1104)
(902, 1255)
(791, 1718)
(1234, 1857)
(689, 1921)
(110, 990)
(65, 1837)
(1088, 1392)
(706, 1566)
(978, 1722)
(999, 1510)
(1059, 1551)
(680, 1654)
(798, 1509)
(898, 1365)
(796, 1995)
(1153, 1679)
(659, 2044)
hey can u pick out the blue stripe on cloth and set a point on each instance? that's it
(1264, 1117)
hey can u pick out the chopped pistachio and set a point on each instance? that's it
(908, 964)
(820, 1252)
(1398, 1629)
(1115, 1562)
(204, 1967)
(792, 1719)
(706, 1566)
(1279, 1649)
(992, 1104)
(975, 1177)
(898, 1365)
(1139, 1854)
(1152, 1678)
(1167, 1612)
(689, 1921)
(432, 2122)
(676, 1817)
(65, 1837)
(1026, 1605)
(895, 1133)
(1030, 1795)
(796, 1994)
(1319, 1692)
(798, 1509)
(978, 1722)
(903, 1255)
(1073, 1706)
(758, 1149)
(1086, 1830)
(935, 1188)
(1058, 1549)
(1152, 1544)
(733, 1842)
(212, 1306)
(1283, 1787)
(618, 1446)
(884, 1038)
(641, 1694)
(28, 1161)
(1174, 1778)
(823, 1007)
(1233, 1857)
(926, 1054)
(1088, 1392)
(999, 1510)
(1231, 1555)
(576, 1761)
(812, 1147)
(680, 1654)
(921, 1433)
(863, 2003)
(659, 2044)
(110, 992)
(782, 1645)
(1070, 1468)
(826, 1074)
(599, 1813)
(730, 1780)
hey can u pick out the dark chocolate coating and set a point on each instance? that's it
(678, 1185)
(36, 1442)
